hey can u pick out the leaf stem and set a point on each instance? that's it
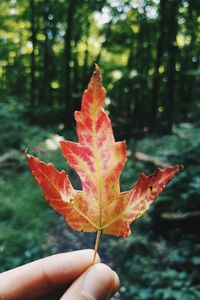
(96, 245)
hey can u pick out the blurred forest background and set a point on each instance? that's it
(148, 51)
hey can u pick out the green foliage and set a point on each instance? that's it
(153, 268)
(15, 131)
(182, 147)
(24, 221)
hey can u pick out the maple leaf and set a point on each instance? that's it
(98, 160)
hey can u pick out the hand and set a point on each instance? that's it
(67, 276)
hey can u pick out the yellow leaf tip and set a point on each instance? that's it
(181, 167)
(26, 153)
(96, 69)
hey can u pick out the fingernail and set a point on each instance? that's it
(99, 282)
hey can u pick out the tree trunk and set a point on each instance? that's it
(172, 31)
(86, 56)
(68, 52)
(130, 101)
(33, 40)
(46, 75)
(188, 82)
(159, 53)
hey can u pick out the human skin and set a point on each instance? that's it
(63, 276)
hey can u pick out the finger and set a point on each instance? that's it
(53, 295)
(44, 276)
(97, 283)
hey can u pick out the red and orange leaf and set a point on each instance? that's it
(59, 192)
(98, 160)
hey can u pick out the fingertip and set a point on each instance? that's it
(97, 283)
(100, 282)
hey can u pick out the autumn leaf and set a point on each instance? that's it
(98, 160)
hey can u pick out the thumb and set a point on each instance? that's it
(99, 282)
